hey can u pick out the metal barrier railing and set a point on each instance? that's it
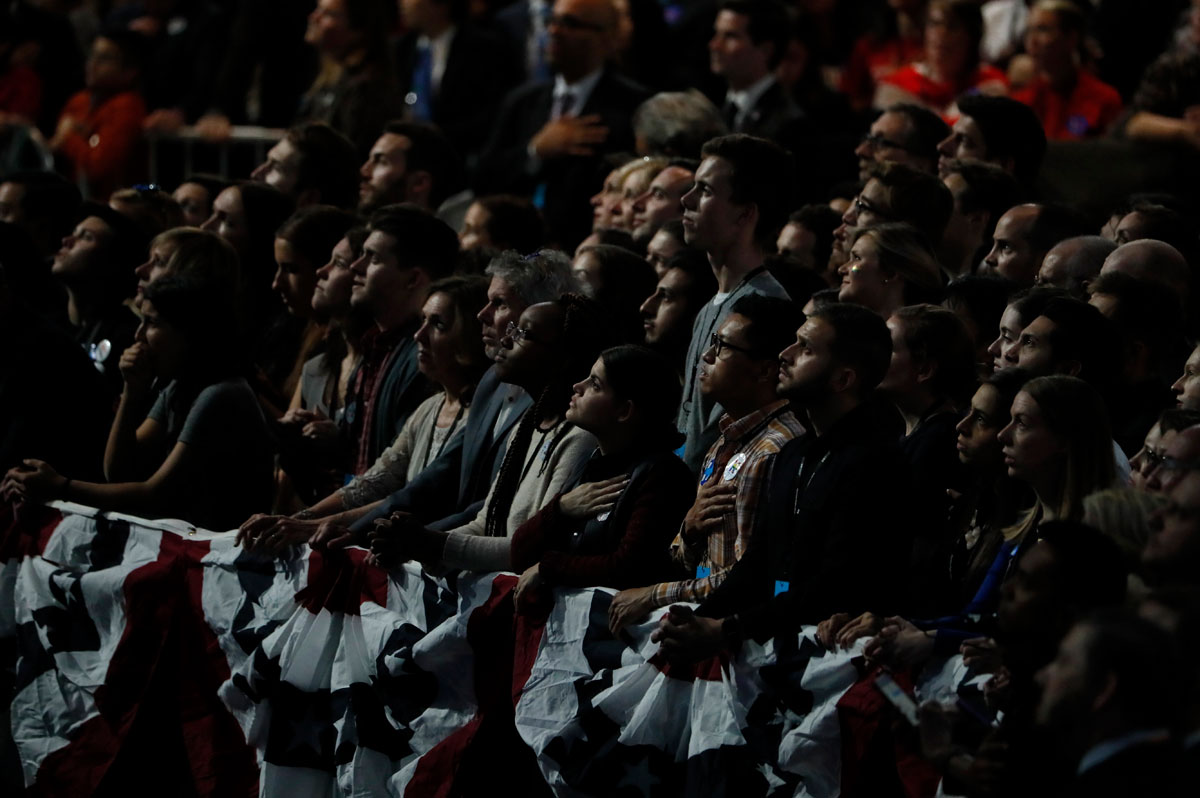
(260, 138)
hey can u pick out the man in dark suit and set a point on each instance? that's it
(452, 73)
(551, 134)
(749, 40)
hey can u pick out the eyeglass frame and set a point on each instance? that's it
(716, 343)
(876, 141)
(517, 335)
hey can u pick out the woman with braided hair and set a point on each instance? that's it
(614, 527)
(552, 345)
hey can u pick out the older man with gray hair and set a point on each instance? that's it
(451, 489)
(676, 124)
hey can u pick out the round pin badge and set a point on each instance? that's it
(101, 350)
(604, 515)
(709, 468)
(733, 466)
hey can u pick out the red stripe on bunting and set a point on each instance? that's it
(160, 721)
(27, 528)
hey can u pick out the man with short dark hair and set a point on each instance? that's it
(733, 212)
(669, 313)
(903, 133)
(314, 165)
(405, 251)
(740, 372)
(748, 42)
(414, 162)
(808, 236)
(1023, 236)
(982, 193)
(1105, 700)
(999, 131)
(821, 544)
(99, 131)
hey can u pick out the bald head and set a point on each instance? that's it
(1073, 263)
(582, 35)
(1152, 261)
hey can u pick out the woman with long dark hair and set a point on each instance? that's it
(202, 452)
(614, 527)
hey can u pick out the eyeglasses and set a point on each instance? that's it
(1150, 459)
(572, 23)
(517, 335)
(1167, 463)
(717, 345)
(877, 142)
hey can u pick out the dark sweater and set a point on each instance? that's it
(834, 534)
(628, 547)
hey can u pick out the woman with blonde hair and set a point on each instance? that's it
(890, 265)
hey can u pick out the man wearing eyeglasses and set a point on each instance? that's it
(739, 370)
(551, 134)
(906, 134)
(1172, 552)
(1180, 455)
(895, 193)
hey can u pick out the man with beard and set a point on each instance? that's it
(1104, 700)
(820, 545)
(415, 163)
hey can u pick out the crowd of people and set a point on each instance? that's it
(748, 310)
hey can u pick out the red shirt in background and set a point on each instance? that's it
(109, 153)
(941, 96)
(871, 61)
(1092, 107)
(20, 92)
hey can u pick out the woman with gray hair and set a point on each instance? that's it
(676, 124)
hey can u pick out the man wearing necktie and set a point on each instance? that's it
(452, 74)
(749, 40)
(551, 134)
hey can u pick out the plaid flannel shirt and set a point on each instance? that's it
(760, 437)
